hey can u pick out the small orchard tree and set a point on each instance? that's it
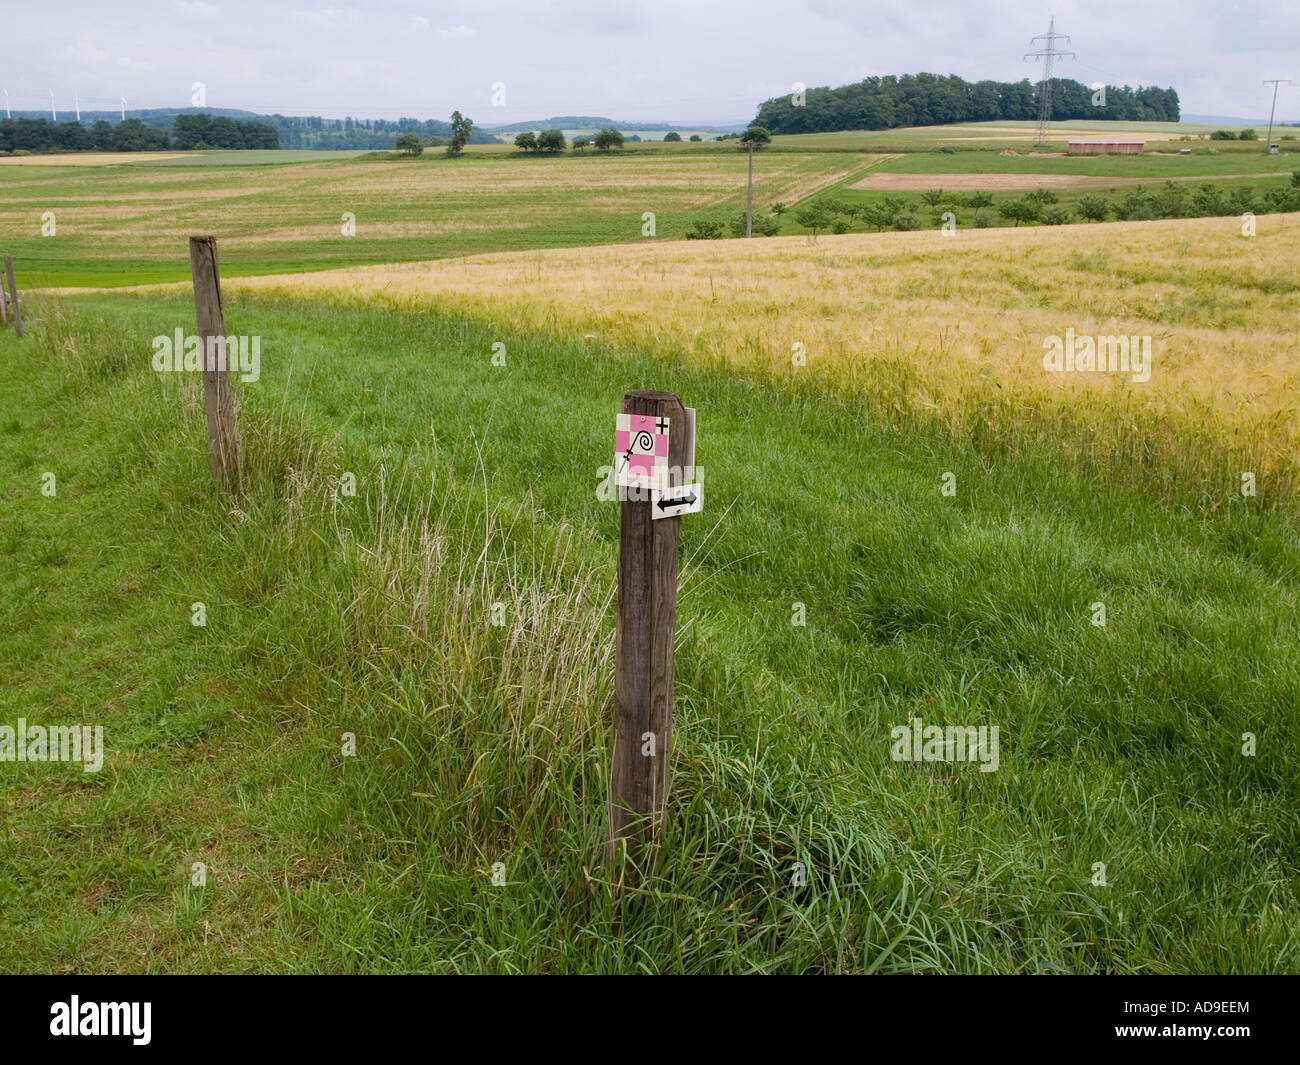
(579, 143)
(881, 214)
(551, 140)
(696, 138)
(1021, 210)
(815, 216)
(1094, 208)
(756, 137)
(527, 141)
(609, 138)
(704, 229)
(672, 136)
(933, 197)
(409, 144)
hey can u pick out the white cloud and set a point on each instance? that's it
(328, 17)
(85, 52)
(197, 8)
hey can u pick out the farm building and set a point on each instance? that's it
(1102, 147)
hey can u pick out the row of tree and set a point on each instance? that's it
(1173, 199)
(891, 101)
(369, 133)
(39, 135)
(552, 141)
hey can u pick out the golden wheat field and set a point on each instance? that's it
(955, 324)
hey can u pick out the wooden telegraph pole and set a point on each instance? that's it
(223, 440)
(647, 616)
(749, 195)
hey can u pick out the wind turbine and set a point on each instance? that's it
(123, 108)
(53, 113)
(7, 114)
(76, 104)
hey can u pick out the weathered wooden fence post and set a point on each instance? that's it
(647, 615)
(13, 297)
(223, 440)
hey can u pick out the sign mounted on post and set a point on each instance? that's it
(674, 502)
(641, 451)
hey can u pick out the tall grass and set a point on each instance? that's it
(479, 743)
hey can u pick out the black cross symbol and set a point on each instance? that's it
(662, 426)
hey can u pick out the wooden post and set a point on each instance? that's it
(223, 440)
(643, 681)
(13, 297)
(749, 195)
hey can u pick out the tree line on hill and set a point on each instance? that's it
(891, 102)
(41, 136)
(369, 133)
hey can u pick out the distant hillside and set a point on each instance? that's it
(202, 130)
(153, 117)
(891, 101)
(292, 131)
(591, 122)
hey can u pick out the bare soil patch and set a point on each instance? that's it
(983, 182)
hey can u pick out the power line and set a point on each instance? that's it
(1047, 55)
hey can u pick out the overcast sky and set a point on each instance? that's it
(678, 60)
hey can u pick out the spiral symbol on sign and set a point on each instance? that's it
(643, 442)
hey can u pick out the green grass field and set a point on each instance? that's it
(478, 744)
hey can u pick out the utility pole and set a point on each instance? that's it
(1275, 82)
(749, 195)
(1047, 54)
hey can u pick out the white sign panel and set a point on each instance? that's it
(676, 501)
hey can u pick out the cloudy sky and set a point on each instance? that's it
(678, 60)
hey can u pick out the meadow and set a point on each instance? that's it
(125, 221)
(128, 224)
(1127, 829)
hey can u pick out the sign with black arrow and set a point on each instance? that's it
(674, 502)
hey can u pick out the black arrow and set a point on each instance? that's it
(664, 504)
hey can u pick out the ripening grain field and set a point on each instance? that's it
(1143, 814)
(927, 322)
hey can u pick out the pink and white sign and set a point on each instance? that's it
(640, 451)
